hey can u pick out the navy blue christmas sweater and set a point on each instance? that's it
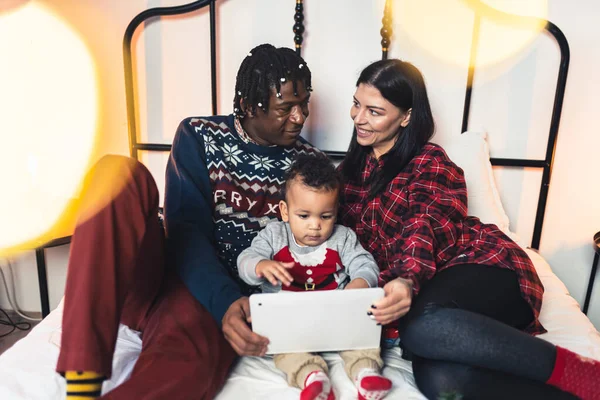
(221, 190)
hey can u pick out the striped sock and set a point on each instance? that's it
(83, 385)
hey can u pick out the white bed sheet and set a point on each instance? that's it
(27, 369)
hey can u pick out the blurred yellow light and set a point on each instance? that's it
(48, 111)
(444, 28)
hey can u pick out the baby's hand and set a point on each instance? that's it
(357, 283)
(275, 272)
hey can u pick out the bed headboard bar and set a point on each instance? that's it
(134, 146)
(386, 29)
(484, 11)
(298, 29)
(480, 9)
(299, 26)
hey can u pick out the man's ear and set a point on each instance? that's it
(284, 211)
(406, 119)
(245, 109)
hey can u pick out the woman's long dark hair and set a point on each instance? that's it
(402, 84)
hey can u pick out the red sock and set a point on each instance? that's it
(371, 385)
(576, 374)
(317, 387)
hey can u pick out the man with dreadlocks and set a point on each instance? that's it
(222, 187)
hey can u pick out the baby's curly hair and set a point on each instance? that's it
(315, 171)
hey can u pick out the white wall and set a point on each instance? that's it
(511, 101)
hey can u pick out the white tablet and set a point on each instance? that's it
(329, 320)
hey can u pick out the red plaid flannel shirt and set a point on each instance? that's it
(419, 226)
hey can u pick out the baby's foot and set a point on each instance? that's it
(317, 387)
(371, 385)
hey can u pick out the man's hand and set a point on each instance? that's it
(396, 302)
(275, 271)
(238, 333)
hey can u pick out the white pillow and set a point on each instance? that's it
(470, 151)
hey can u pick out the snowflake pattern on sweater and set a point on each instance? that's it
(245, 179)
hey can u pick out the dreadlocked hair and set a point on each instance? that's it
(264, 68)
(315, 171)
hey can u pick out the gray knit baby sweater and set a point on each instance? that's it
(331, 265)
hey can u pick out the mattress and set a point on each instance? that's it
(27, 368)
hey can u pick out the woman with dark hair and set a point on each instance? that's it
(464, 297)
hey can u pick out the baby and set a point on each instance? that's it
(308, 251)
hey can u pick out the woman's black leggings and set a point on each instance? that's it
(464, 336)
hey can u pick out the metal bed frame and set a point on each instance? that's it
(482, 11)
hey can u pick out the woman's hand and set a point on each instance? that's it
(396, 302)
(275, 272)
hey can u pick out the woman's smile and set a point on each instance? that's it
(363, 133)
